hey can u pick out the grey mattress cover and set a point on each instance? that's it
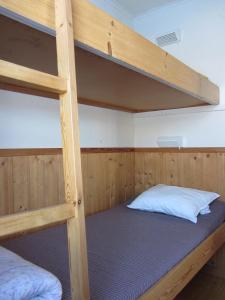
(128, 250)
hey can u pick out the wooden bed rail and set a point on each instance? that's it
(36, 219)
(24, 77)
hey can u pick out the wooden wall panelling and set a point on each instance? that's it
(148, 168)
(108, 179)
(29, 181)
(22, 193)
(195, 169)
(5, 185)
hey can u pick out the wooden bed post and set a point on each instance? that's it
(71, 150)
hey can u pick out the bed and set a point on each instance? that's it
(128, 251)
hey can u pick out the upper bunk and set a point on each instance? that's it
(116, 67)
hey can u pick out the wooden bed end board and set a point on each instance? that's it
(175, 280)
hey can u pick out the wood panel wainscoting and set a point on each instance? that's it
(33, 178)
(202, 168)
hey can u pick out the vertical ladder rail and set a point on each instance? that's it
(71, 150)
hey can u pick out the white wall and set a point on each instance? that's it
(115, 10)
(202, 23)
(34, 122)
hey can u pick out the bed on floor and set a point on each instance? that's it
(129, 251)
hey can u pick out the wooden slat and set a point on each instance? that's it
(173, 282)
(104, 150)
(181, 150)
(32, 220)
(15, 74)
(29, 152)
(101, 32)
(71, 151)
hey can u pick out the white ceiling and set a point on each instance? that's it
(137, 7)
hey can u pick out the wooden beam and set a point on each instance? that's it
(105, 104)
(24, 77)
(29, 152)
(181, 150)
(175, 280)
(97, 30)
(71, 151)
(36, 219)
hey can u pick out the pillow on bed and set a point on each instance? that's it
(176, 201)
(20, 279)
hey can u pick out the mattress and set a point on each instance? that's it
(128, 250)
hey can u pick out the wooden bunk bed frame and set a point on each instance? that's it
(99, 33)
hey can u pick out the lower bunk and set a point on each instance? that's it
(132, 254)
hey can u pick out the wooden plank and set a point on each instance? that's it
(105, 150)
(175, 280)
(6, 183)
(71, 151)
(181, 150)
(54, 151)
(18, 75)
(22, 197)
(29, 152)
(33, 220)
(97, 30)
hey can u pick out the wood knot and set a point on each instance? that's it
(109, 48)
(79, 202)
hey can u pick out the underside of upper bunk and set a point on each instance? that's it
(116, 67)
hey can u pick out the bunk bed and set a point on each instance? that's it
(116, 68)
(142, 76)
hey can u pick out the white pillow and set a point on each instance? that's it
(176, 201)
(205, 210)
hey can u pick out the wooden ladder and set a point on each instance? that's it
(73, 210)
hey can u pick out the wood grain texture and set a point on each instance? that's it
(108, 180)
(76, 232)
(196, 169)
(34, 220)
(159, 81)
(24, 77)
(29, 181)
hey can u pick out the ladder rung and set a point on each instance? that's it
(31, 220)
(25, 77)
